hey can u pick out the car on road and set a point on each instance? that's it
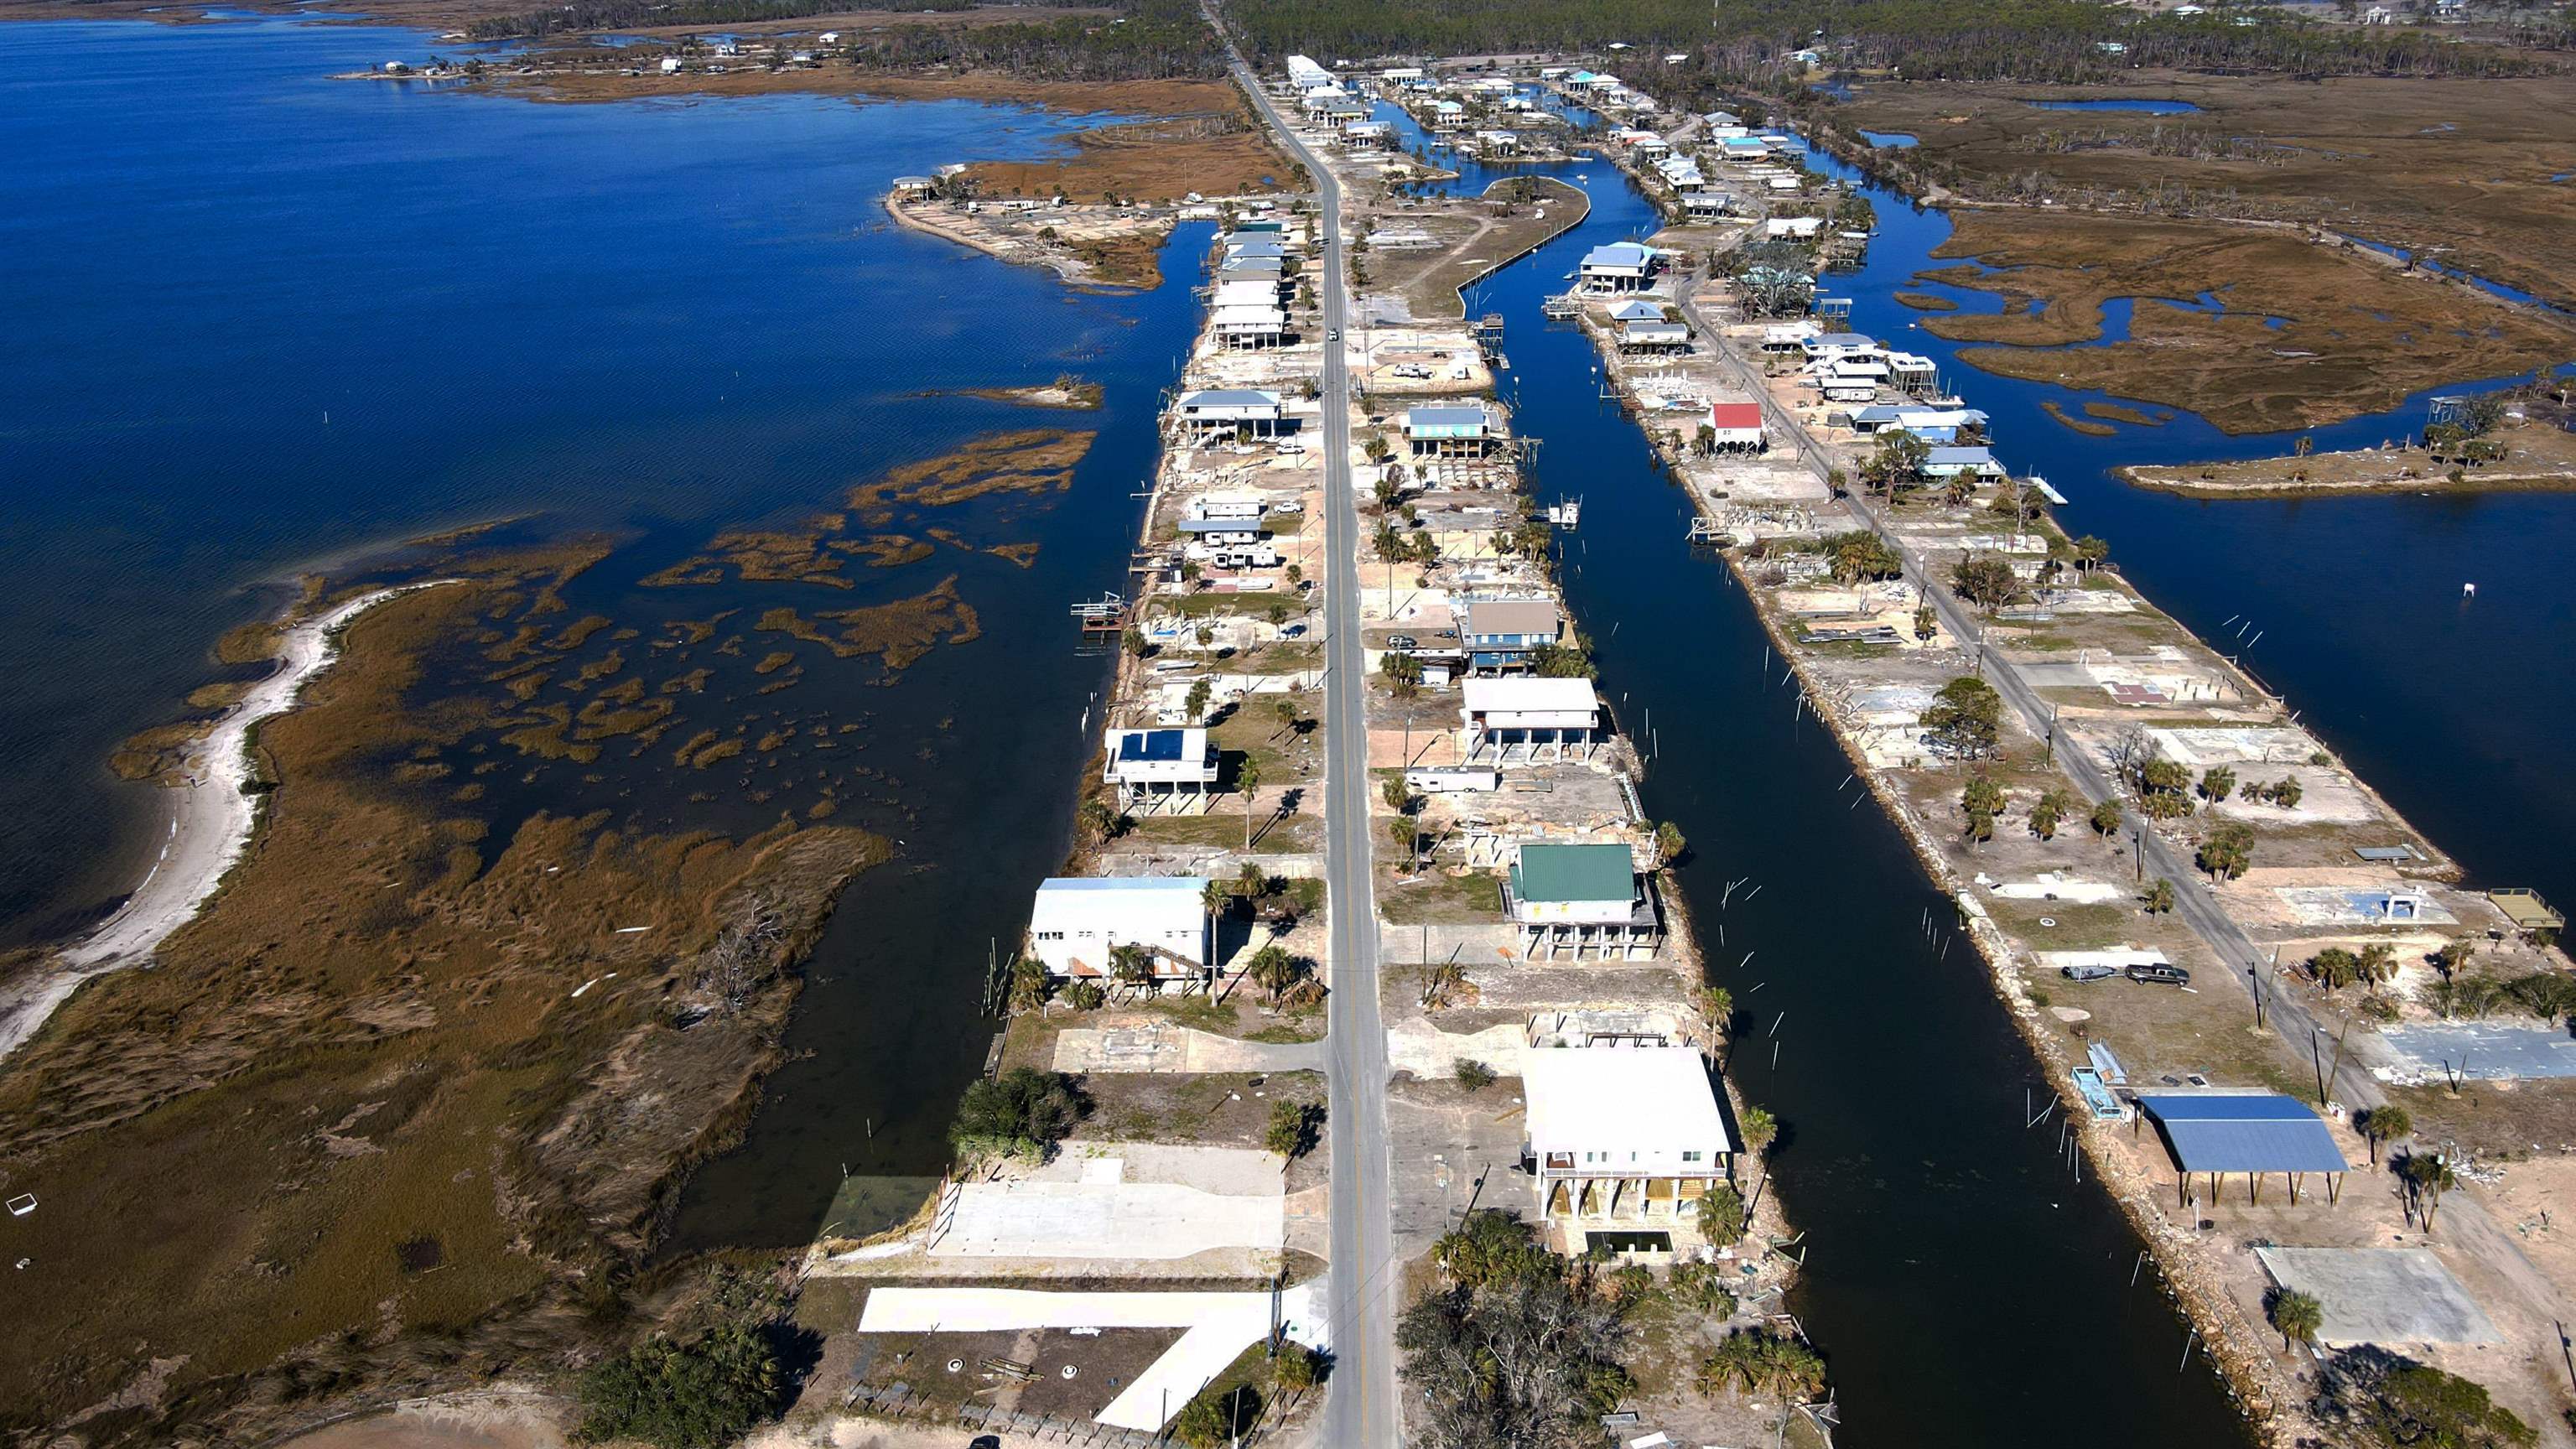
(1333, 336)
(2091, 971)
(2159, 973)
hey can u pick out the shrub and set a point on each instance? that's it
(701, 1394)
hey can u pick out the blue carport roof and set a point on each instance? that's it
(2243, 1132)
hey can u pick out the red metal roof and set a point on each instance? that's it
(1735, 415)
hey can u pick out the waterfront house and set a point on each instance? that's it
(1656, 336)
(1367, 135)
(1154, 769)
(1244, 328)
(1706, 205)
(1743, 148)
(1637, 311)
(1451, 430)
(1305, 74)
(1528, 718)
(1447, 115)
(1078, 922)
(1567, 897)
(1229, 411)
(1790, 336)
(1950, 462)
(1244, 292)
(1827, 344)
(1618, 267)
(1912, 371)
(1793, 228)
(1499, 634)
(909, 186)
(1737, 426)
(1623, 1134)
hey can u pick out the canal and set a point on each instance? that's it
(1963, 1286)
(2350, 608)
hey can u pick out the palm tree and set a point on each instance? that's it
(2298, 1315)
(1030, 984)
(1760, 1128)
(1132, 966)
(1247, 778)
(2427, 1176)
(1273, 970)
(2382, 1124)
(1407, 836)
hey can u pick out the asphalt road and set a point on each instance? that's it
(2284, 1011)
(1360, 1396)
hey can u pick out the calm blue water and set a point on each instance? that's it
(261, 318)
(2146, 107)
(2352, 606)
(1891, 140)
(2004, 1299)
(655, 319)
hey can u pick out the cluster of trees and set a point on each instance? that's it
(699, 1393)
(1988, 583)
(1520, 1347)
(1966, 718)
(2336, 967)
(2219, 782)
(1353, 29)
(1023, 1112)
(1224, 1411)
(1861, 554)
(1145, 40)
(1760, 1361)
(721, 1374)
(2228, 851)
(2062, 40)
(2372, 1396)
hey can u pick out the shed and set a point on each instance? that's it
(2255, 1133)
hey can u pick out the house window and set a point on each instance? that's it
(1690, 1157)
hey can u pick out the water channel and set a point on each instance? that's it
(1966, 1289)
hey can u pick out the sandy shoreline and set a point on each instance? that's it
(211, 824)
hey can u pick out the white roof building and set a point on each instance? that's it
(1078, 921)
(1158, 757)
(1249, 292)
(1623, 1111)
(1529, 703)
(1230, 405)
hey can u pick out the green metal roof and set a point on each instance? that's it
(1574, 873)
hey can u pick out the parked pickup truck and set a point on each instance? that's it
(2159, 973)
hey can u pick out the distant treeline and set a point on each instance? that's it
(1745, 42)
(589, 15)
(1145, 40)
(1351, 30)
(2054, 40)
(1148, 40)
